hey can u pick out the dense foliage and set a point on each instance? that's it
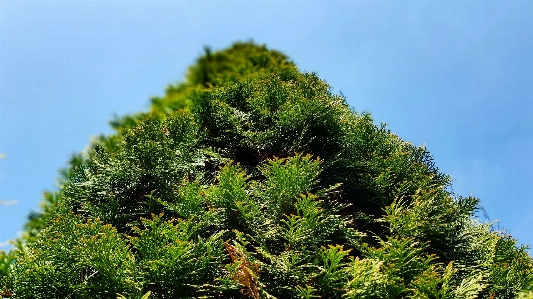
(251, 179)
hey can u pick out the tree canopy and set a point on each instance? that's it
(252, 179)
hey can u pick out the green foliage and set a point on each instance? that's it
(251, 179)
(174, 259)
(78, 259)
(243, 59)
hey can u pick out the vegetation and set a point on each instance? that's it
(252, 179)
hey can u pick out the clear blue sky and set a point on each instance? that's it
(453, 75)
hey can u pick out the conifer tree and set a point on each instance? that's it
(251, 179)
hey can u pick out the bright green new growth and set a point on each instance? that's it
(251, 179)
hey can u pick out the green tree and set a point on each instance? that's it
(252, 179)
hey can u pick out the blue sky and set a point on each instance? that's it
(453, 75)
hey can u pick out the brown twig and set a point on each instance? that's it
(247, 272)
(7, 293)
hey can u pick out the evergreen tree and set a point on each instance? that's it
(252, 179)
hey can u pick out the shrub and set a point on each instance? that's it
(251, 179)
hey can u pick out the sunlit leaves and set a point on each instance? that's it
(76, 258)
(174, 259)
